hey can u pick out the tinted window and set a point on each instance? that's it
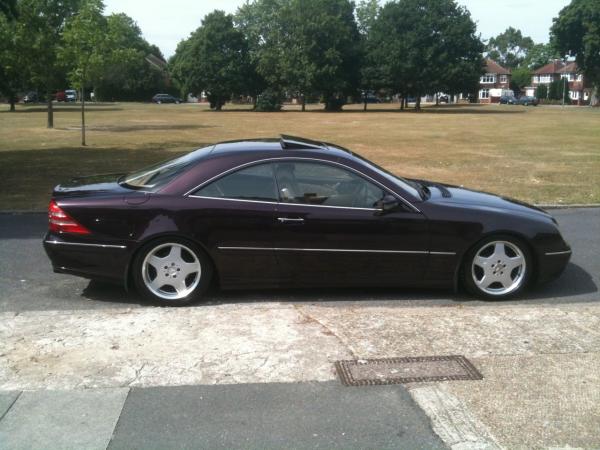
(326, 185)
(160, 174)
(252, 183)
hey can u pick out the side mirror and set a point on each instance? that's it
(387, 203)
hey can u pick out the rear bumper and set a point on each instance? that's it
(552, 265)
(88, 259)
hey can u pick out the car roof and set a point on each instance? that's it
(283, 143)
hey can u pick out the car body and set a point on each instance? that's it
(165, 98)
(70, 95)
(60, 96)
(508, 100)
(443, 99)
(291, 212)
(528, 100)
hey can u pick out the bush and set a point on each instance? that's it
(270, 100)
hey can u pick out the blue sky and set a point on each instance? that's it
(165, 23)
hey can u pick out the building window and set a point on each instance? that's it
(503, 78)
(568, 76)
(574, 95)
(586, 96)
(545, 79)
(488, 78)
(484, 93)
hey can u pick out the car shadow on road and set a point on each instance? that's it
(575, 282)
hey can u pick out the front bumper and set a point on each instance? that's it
(552, 264)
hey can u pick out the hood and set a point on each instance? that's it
(448, 194)
(106, 184)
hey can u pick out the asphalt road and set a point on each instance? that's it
(27, 282)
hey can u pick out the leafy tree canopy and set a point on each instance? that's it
(213, 59)
(509, 48)
(576, 31)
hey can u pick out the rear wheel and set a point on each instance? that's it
(498, 268)
(172, 271)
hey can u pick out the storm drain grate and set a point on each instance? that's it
(411, 369)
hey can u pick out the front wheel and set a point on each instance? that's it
(172, 271)
(498, 268)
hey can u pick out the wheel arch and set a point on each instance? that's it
(511, 233)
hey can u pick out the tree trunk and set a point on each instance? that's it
(82, 115)
(418, 104)
(594, 97)
(12, 100)
(50, 112)
(365, 104)
(402, 98)
(437, 99)
(303, 102)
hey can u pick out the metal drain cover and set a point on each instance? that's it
(411, 369)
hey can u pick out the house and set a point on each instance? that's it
(494, 83)
(566, 71)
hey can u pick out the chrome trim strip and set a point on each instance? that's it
(282, 203)
(558, 253)
(443, 253)
(280, 249)
(81, 244)
(406, 202)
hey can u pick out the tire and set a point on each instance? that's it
(172, 271)
(497, 268)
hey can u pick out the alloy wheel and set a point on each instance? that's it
(499, 268)
(171, 271)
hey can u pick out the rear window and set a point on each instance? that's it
(158, 175)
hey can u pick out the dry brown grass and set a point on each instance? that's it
(544, 154)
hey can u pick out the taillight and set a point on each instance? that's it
(61, 222)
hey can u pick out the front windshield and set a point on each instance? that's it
(160, 174)
(406, 185)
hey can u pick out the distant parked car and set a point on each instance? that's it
(527, 100)
(443, 99)
(59, 96)
(370, 99)
(508, 100)
(31, 97)
(165, 98)
(70, 95)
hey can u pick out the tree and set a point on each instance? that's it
(370, 75)
(43, 22)
(541, 92)
(509, 48)
(521, 78)
(9, 9)
(426, 46)
(85, 48)
(305, 46)
(213, 59)
(576, 31)
(539, 55)
(132, 69)
(12, 69)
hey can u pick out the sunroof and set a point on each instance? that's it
(294, 142)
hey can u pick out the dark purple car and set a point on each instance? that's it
(294, 212)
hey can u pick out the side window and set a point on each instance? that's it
(325, 185)
(252, 183)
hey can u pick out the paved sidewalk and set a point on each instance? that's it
(541, 367)
(256, 416)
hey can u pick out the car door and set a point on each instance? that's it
(234, 216)
(331, 229)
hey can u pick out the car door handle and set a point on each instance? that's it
(290, 220)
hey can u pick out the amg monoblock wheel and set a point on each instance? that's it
(497, 268)
(172, 271)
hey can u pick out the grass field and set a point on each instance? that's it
(541, 155)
